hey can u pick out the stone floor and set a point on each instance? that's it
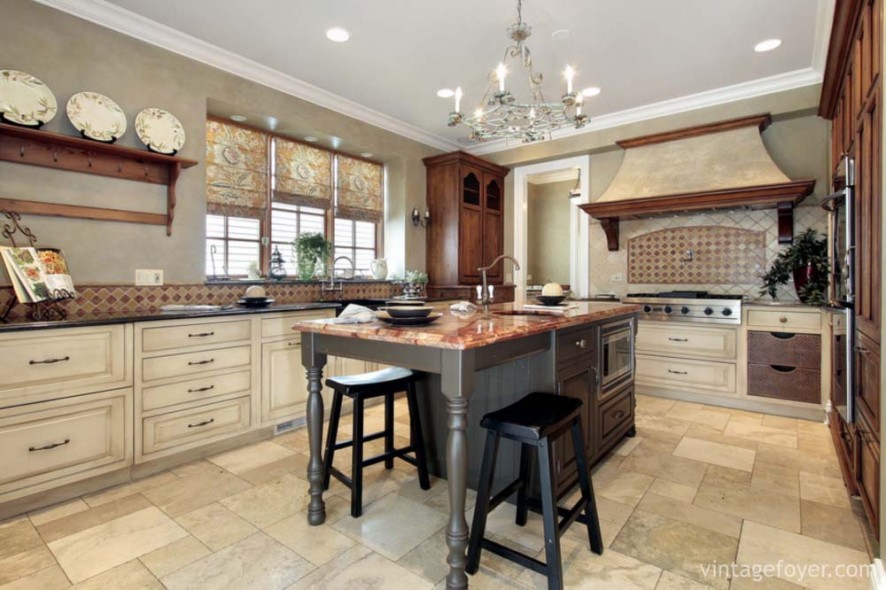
(698, 487)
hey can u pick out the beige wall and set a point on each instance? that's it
(548, 245)
(71, 55)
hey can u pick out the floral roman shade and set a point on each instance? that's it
(303, 174)
(360, 190)
(236, 170)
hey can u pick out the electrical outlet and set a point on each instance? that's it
(617, 277)
(148, 277)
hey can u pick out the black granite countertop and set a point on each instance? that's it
(124, 317)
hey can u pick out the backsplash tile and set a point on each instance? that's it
(697, 255)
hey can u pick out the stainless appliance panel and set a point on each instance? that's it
(617, 363)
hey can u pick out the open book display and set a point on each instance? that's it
(39, 276)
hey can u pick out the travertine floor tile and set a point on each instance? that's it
(296, 464)
(658, 423)
(798, 459)
(215, 526)
(103, 547)
(672, 581)
(25, 563)
(699, 414)
(716, 453)
(831, 524)
(762, 583)
(129, 576)
(823, 489)
(199, 488)
(627, 445)
(761, 433)
(712, 434)
(319, 545)
(172, 557)
(49, 578)
(665, 466)
(255, 562)
(752, 504)
(726, 477)
(270, 502)
(361, 568)
(788, 424)
(776, 478)
(653, 405)
(626, 487)
(251, 457)
(129, 489)
(675, 491)
(57, 511)
(80, 521)
(18, 535)
(711, 520)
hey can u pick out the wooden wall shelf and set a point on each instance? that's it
(63, 152)
(783, 197)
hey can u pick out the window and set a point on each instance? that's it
(264, 190)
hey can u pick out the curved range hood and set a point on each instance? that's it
(718, 166)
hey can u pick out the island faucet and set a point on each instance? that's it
(331, 286)
(485, 299)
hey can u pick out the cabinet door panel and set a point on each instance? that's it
(470, 245)
(284, 387)
(580, 385)
(493, 224)
(867, 360)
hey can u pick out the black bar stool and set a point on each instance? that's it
(359, 388)
(534, 421)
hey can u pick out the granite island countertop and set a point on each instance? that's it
(466, 331)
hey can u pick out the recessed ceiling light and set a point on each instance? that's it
(560, 35)
(310, 138)
(238, 118)
(590, 91)
(337, 34)
(767, 45)
(446, 93)
(366, 154)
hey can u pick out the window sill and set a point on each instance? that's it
(290, 281)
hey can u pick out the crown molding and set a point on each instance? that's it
(570, 173)
(674, 106)
(144, 29)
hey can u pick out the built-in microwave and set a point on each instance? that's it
(617, 362)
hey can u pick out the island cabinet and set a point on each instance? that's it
(465, 199)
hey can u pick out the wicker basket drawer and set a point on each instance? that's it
(786, 383)
(780, 348)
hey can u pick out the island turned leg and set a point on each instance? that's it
(457, 383)
(314, 364)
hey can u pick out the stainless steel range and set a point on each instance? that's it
(688, 306)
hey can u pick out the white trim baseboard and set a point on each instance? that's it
(878, 575)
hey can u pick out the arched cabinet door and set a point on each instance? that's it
(493, 224)
(470, 239)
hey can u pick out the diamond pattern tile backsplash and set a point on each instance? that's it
(605, 265)
(701, 255)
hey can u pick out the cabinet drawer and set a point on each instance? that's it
(195, 425)
(200, 334)
(781, 319)
(72, 358)
(54, 439)
(780, 348)
(576, 344)
(680, 373)
(787, 383)
(281, 326)
(671, 340)
(210, 385)
(179, 365)
(616, 414)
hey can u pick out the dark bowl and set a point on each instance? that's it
(255, 301)
(551, 299)
(408, 311)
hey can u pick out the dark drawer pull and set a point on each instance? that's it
(199, 424)
(50, 361)
(199, 389)
(201, 335)
(782, 335)
(678, 339)
(783, 368)
(192, 363)
(673, 372)
(619, 415)
(49, 446)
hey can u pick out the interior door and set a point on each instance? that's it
(470, 239)
(493, 225)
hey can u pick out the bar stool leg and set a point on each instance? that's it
(550, 515)
(389, 430)
(357, 460)
(481, 509)
(331, 435)
(587, 490)
(523, 492)
(416, 437)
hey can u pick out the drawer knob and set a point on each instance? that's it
(50, 361)
(206, 362)
(673, 372)
(581, 343)
(678, 339)
(783, 320)
(199, 424)
(201, 335)
(199, 389)
(49, 446)
(861, 350)
(619, 414)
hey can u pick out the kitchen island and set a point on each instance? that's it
(567, 349)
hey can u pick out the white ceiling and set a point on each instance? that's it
(640, 52)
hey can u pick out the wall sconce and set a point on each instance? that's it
(419, 220)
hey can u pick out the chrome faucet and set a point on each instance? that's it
(485, 298)
(331, 286)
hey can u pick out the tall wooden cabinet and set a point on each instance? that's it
(852, 98)
(465, 198)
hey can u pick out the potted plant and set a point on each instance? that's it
(806, 260)
(413, 283)
(312, 251)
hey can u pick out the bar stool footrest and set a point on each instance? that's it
(515, 556)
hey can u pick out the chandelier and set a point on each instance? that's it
(500, 116)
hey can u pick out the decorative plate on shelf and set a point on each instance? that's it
(160, 131)
(388, 319)
(25, 100)
(96, 116)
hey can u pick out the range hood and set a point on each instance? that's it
(711, 167)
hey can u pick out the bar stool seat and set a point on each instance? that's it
(535, 421)
(360, 388)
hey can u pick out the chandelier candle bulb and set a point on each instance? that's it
(500, 73)
(570, 75)
(458, 95)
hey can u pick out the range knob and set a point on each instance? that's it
(668, 309)
(727, 312)
(647, 308)
(708, 311)
(684, 310)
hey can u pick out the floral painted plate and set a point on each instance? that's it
(25, 100)
(96, 116)
(160, 131)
